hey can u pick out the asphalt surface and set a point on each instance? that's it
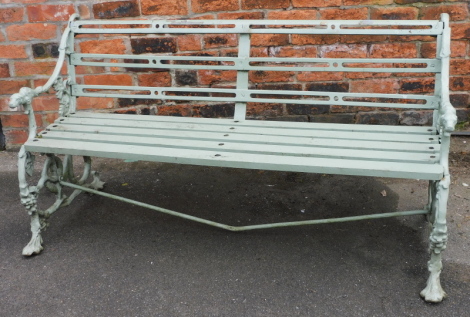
(107, 258)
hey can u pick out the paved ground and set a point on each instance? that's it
(105, 258)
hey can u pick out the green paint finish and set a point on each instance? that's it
(365, 150)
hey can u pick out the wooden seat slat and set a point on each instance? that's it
(265, 123)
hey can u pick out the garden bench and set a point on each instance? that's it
(410, 152)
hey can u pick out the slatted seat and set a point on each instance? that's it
(410, 152)
(404, 152)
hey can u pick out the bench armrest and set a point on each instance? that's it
(447, 114)
(447, 117)
(25, 96)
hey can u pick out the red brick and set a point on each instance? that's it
(379, 86)
(49, 118)
(200, 6)
(344, 14)
(256, 109)
(343, 51)
(293, 15)
(177, 110)
(412, 38)
(115, 46)
(365, 75)
(223, 86)
(4, 104)
(160, 79)
(391, 50)
(416, 86)
(269, 39)
(45, 103)
(11, 15)
(31, 31)
(366, 2)
(460, 67)
(460, 83)
(315, 3)
(230, 52)
(84, 11)
(81, 69)
(34, 68)
(153, 45)
(164, 7)
(220, 40)
(18, 120)
(210, 77)
(2, 37)
(16, 137)
(118, 9)
(40, 82)
(458, 49)
(293, 51)
(8, 87)
(412, 74)
(340, 109)
(320, 76)
(260, 76)
(328, 86)
(460, 30)
(240, 15)
(13, 51)
(265, 4)
(204, 17)
(314, 39)
(4, 70)
(118, 79)
(94, 103)
(416, 1)
(394, 13)
(457, 12)
(189, 42)
(47, 13)
(259, 52)
(362, 38)
(22, 1)
(126, 111)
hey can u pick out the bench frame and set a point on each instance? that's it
(57, 174)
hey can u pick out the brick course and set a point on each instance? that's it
(30, 31)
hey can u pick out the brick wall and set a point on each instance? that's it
(30, 31)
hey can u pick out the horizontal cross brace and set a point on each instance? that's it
(389, 65)
(242, 95)
(244, 228)
(371, 27)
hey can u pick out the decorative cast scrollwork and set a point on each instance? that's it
(63, 93)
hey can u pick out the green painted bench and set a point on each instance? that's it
(411, 152)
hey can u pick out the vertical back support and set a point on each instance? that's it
(242, 75)
(71, 69)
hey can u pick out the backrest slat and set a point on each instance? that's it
(372, 27)
(271, 96)
(245, 63)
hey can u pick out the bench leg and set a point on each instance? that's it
(52, 174)
(29, 195)
(438, 240)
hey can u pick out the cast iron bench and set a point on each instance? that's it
(411, 152)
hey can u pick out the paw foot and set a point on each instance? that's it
(433, 292)
(34, 246)
(96, 184)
